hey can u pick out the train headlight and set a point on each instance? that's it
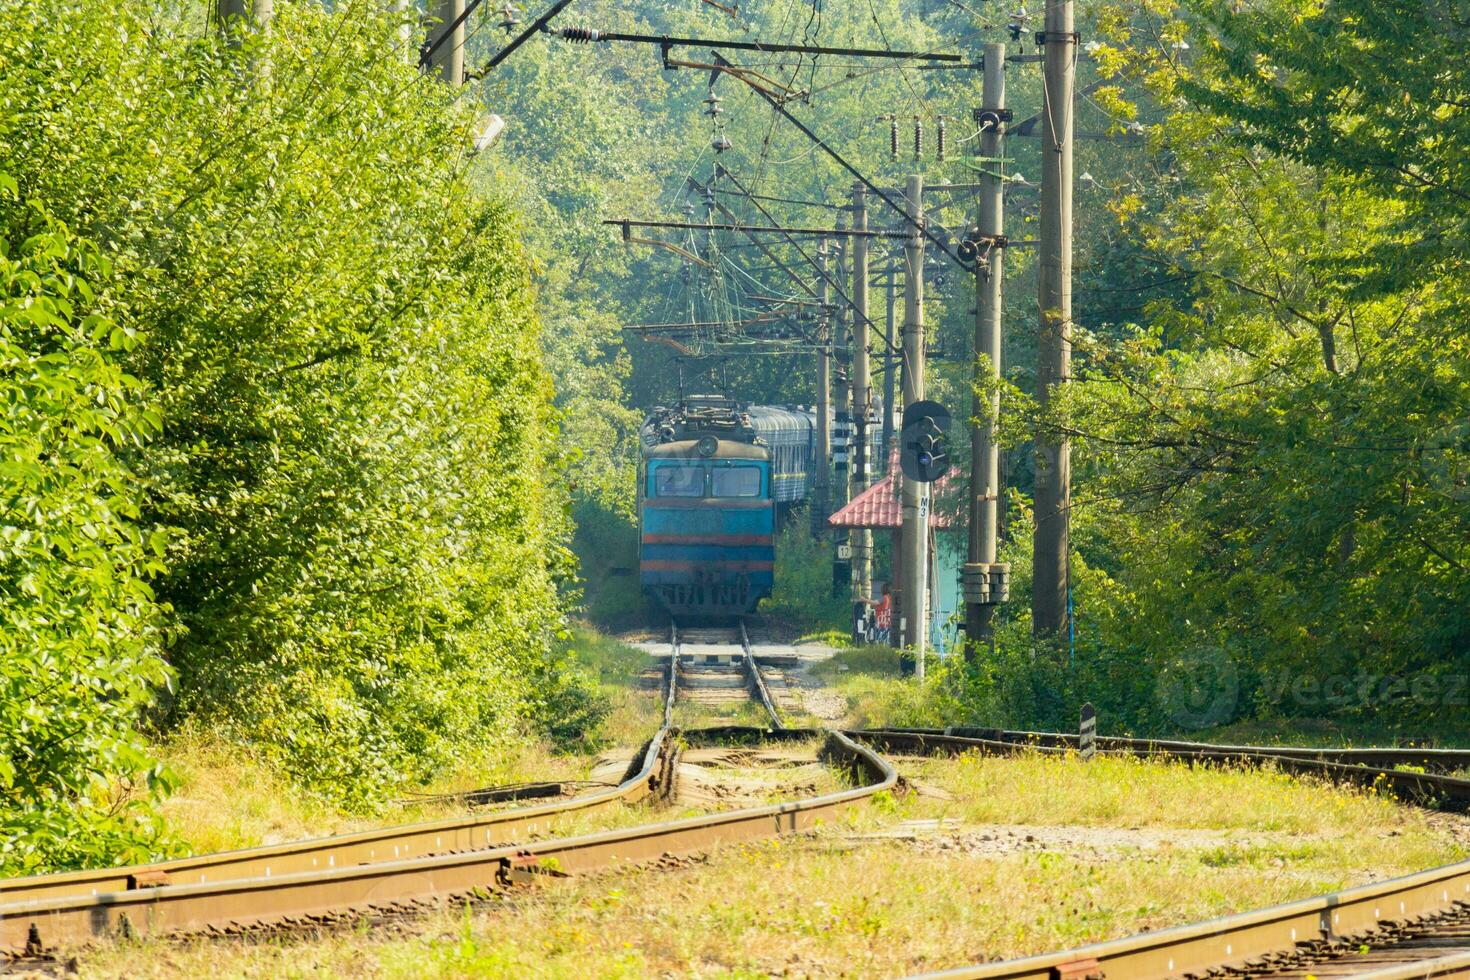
(707, 446)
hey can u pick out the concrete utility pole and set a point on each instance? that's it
(914, 567)
(1054, 340)
(449, 58)
(406, 14)
(861, 539)
(890, 375)
(258, 11)
(842, 409)
(238, 17)
(821, 489)
(984, 580)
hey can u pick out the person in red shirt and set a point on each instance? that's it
(883, 616)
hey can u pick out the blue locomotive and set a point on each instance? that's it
(715, 484)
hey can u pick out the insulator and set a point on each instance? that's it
(893, 136)
(508, 18)
(918, 137)
(939, 140)
(712, 105)
(580, 35)
(721, 143)
(1018, 23)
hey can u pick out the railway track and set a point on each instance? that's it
(1416, 926)
(375, 872)
(716, 664)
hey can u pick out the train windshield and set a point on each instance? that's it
(675, 480)
(736, 481)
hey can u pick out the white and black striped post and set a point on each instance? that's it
(1087, 733)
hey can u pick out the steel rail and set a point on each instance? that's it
(671, 679)
(1354, 914)
(1435, 760)
(1453, 965)
(758, 681)
(1447, 792)
(363, 847)
(170, 908)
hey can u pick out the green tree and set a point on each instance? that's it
(358, 444)
(1273, 464)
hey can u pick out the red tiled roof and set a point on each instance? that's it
(879, 506)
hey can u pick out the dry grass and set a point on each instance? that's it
(1130, 792)
(847, 901)
(228, 799)
(689, 713)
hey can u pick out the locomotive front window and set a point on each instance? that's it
(737, 481)
(674, 480)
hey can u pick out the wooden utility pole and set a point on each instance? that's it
(1054, 340)
(861, 539)
(984, 580)
(914, 568)
(449, 58)
(821, 492)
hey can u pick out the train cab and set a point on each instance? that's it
(707, 536)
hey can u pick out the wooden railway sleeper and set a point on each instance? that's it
(526, 868)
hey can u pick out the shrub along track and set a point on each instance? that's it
(1408, 927)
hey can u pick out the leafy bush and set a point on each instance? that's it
(79, 625)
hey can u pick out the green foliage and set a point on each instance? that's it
(1368, 90)
(801, 595)
(337, 333)
(568, 704)
(79, 625)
